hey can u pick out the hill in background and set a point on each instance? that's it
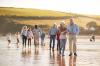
(12, 19)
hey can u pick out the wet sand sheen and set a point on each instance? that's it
(88, 55)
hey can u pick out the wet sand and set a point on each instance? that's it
(88, 55)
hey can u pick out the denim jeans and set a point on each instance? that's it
(24, 40)
(42, 41)
(52, 39)
(62, 47)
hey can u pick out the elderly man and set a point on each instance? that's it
(72, 30)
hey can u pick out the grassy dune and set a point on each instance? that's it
(8, 23)
(30, 12)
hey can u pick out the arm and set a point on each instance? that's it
(77, 30)
(21, 32)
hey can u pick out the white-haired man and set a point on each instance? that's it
(72, 30)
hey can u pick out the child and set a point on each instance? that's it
(9, 39)
(17, 38)
(29, 37)
(42, 38)
(58, 40)
(92, 38)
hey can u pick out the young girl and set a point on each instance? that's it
(58, 40)
(29, 37)
(9, 39)
(17, 38)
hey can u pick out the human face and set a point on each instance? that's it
(71, 22)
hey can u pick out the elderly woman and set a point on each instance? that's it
(24, 36)
(63, 37)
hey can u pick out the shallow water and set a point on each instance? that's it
(88, 55)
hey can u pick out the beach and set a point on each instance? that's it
(88, 54)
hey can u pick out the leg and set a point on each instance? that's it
(42, 41)
(61, 42)
(25, 41)
(57, 44)
(17, 43)
(53, 41)
(70, 45)
(50, 41)
(28, 42)
(74, 44)
(63, 46)
(8, 42)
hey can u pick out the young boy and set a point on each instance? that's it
(42, 38)
(9, 39)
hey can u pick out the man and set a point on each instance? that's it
(36, 32)
(52, 34)
(72, 30)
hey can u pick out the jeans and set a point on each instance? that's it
(52, 39)
(24, 39)
(42, 41)
(62, 47)
(58, 44)
(29, 42)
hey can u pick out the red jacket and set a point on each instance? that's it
(58, 35)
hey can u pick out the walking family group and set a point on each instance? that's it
(58, 33)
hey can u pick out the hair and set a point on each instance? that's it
(36, 26)
(29, 29)
(24, 27)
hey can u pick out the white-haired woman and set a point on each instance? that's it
(63, 37)
(24, 36)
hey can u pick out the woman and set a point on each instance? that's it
(24, 36)
(29, 37)
(63, 38)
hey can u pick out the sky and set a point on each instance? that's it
(88, 7)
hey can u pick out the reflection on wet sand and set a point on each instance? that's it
(72, 60)
(56, 59)
(60, 60)
(43, 57)
(26, 55)
(52, 58)
(36, 53)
